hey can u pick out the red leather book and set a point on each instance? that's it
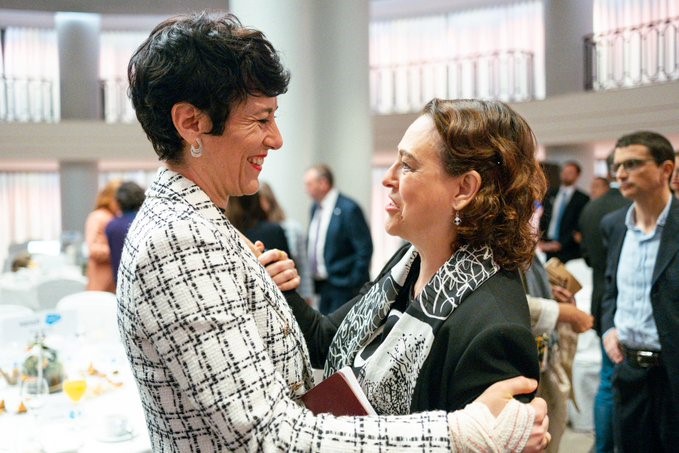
(339, 394)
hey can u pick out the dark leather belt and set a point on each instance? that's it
(642, 359)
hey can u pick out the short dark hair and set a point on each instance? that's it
(130, 196)
(494, 140)
(210, 61)
(659, 146)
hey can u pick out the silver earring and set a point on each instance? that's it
(197, 151)
(457, 220)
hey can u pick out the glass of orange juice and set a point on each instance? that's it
(74, 386)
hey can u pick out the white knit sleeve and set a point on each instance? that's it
(474, 428)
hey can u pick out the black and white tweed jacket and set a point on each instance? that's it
(214, 348)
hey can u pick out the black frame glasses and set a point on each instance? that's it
(629, 164)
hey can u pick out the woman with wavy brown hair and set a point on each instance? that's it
(447, 316)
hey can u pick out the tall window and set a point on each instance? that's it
(116, 49)
(30, 208)
(493, 52)
(29, 86)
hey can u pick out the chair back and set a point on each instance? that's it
(52, 291)
(97, 314)
(11, 310)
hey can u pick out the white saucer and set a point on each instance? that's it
(122, 438)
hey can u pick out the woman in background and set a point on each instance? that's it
(99, 271)
(246, 214)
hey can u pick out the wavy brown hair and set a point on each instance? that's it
(494, 140)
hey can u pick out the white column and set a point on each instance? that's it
(325, 115)
(566, 24)
(78, 41)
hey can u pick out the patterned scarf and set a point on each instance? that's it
(388, 376)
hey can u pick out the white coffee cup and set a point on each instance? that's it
(113, 426)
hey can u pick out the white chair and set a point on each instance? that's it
(10, 310)
(97, 314)
(53, 290)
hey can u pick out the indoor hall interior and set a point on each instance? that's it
(582, 73)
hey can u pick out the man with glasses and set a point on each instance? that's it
(640, 308)
(593, 251)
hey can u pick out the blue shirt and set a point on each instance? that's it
(634, 314)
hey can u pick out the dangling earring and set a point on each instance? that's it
(197, 151)
(457, 220)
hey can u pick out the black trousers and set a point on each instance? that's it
(645, 418)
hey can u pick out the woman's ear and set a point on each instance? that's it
(469, 185)
(189, 121)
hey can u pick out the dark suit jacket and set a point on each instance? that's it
(271, 234)
(664, 289)
(348, 245)
(569, 223)
(592, 246)
(486, 339)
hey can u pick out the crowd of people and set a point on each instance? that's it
(226, 306)
(105, 230)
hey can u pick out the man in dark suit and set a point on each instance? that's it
(559, 222)
(594, 253)
(340, 246)
(640, 307)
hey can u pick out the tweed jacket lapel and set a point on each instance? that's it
(188, 196)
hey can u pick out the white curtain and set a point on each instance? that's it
(116, 48)
(30, 208)
(31, 70)
(141, 177)
(448, 55)
(639, 52)
(613, 14)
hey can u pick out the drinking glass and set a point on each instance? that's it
(74, 386)
(34, 390)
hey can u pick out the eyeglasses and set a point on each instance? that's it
(629, 165)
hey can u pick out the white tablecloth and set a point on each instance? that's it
(52, 431)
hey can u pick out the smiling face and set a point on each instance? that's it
(234, 159)
(420, 209)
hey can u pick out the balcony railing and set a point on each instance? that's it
(117, 107)
(27, 100)
(34, 100)
(504, 75)
(633, 56)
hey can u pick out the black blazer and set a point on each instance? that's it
(486, 339)
(348, 245)
(569, 223)
(664, 289)
(592, 246)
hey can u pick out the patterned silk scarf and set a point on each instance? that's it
(388, 376)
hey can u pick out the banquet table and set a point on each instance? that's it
(51, 427)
